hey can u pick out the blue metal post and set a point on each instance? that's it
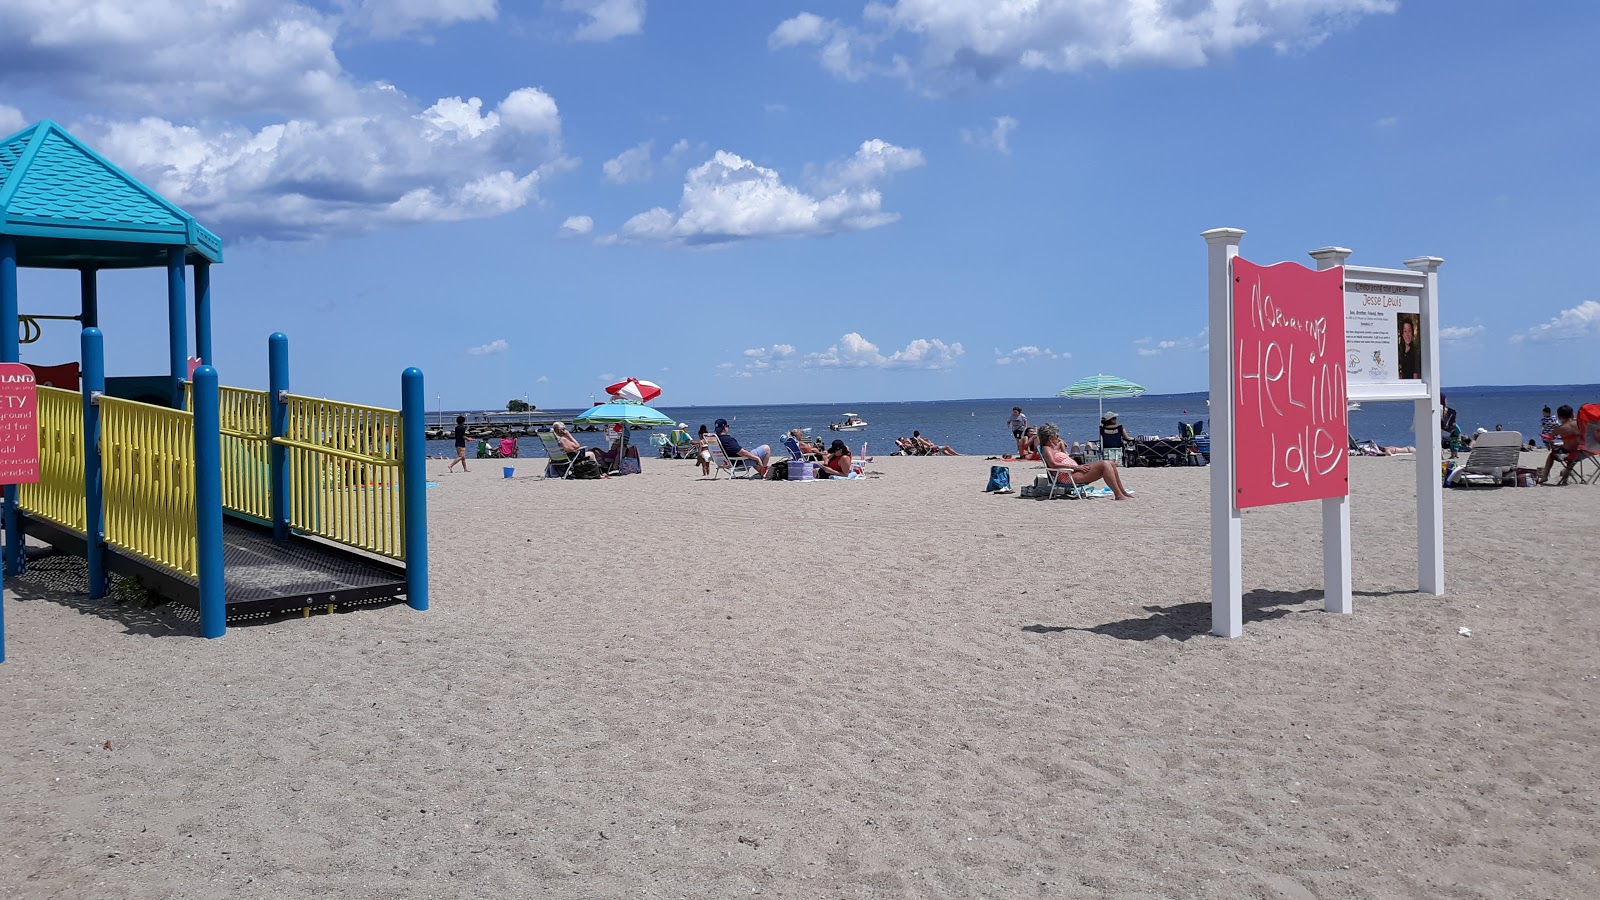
(208, 502)
(89, 290)
(8, 353)
(177, 324)
(94, 383)
(414, 509)
(202, 312)
(277, 386)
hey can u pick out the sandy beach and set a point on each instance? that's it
(898, 686)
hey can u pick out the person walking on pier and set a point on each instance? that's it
(461, 445)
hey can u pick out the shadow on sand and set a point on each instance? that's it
(64, 579)
(1188, 620)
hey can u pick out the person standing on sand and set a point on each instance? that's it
(1018, 423)
(461, 445)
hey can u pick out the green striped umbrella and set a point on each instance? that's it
(1102, 388)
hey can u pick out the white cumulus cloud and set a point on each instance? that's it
(997, 138)
(393, 18)
(11, 120)
(729, 198)
(852, 351)
(1026, 354)
(980, 40)
(577, 225)
(542, 379)
(322, 152)
(1578, 323)
(1460, 332)
(607, 19)
(489, 349)
(1150, 347)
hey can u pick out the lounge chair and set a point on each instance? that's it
(1493, 460)
(560, 465)
(736, 467)
(795, 452)
(1060, 488)
(679, 444)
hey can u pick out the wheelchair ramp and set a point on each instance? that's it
(264, 577)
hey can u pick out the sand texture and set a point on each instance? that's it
(660, 686)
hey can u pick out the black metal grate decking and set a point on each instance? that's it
(264, 576)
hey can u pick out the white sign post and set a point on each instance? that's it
(1392, 354)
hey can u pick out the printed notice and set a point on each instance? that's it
(19, 425)
(1291, 428)
(1383, 333)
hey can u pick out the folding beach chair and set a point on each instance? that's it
(1493, 460)
(1584, 462)
(1059, 488)
(796, 453)
(736, 467)
(560, 465)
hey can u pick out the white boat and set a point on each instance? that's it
(852, 422)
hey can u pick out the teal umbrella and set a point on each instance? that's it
(625, 413)
(1102, 388)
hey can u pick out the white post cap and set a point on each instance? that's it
(1223, 235)
(1424, 263)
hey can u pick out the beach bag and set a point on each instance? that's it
(585, 468)
(778, 471)
(999, 478)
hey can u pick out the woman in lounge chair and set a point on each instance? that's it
(929, 448)
(1064, 468)
(807, 448)
(570, 444)
(837, 463)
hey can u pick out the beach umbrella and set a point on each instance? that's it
(1102, 388)
(624, 413)
(635, 389)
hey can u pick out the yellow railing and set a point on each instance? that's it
(148, 457)
(246, 417)
(58, 495)
(344, 473)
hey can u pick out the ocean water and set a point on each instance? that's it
(978, 427)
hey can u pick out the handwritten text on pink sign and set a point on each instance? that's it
(1291, 428)
(19, 425)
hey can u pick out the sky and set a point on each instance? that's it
(820, 201)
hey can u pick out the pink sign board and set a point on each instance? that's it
(1291, 427)
(19, 425)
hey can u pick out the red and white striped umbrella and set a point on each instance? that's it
(635, 389)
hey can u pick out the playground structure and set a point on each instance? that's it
(234, 502)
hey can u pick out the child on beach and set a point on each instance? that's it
(461, 445)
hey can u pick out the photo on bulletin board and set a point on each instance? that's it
(1408, 340)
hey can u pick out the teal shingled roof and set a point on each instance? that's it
(66, 206)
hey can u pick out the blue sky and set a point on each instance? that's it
(816, 201)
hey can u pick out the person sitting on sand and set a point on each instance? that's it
(837, 463)
(930, 448)
(734, 450)
(1566, 440)
(806, 447)
(1065, 468)
(907, 447)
